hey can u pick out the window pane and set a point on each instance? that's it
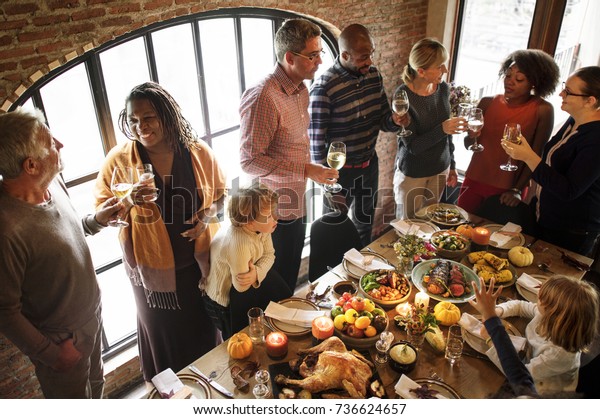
(227, 152)
(176, 65)
(77, 129)
(124, 67)
(328, 59)
(118, 305)
(220, 72)
(259, 57)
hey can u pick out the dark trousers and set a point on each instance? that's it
(288, 241)
(360, 190)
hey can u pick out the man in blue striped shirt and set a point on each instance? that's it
(348, 103)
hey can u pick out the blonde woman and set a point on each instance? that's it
(425, 158)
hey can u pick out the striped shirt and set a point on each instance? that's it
(351, 108)
(274, 145)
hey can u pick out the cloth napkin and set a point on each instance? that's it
(169, 386)
(356, 258)
(473, 325)
(405, 384)
(405, 227)
(502, 239)
(529, 283)
(295, 316)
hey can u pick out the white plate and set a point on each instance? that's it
(357, 272)
(426, 228)
(427, 213)
(478, 343)
(517, 240)
(528, 295)
(199, 388)
(292, 329)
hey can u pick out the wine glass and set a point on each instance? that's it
(512, 132)
(121, 185)
(148, 187)
(400, 106)
(475, 123)
(336, 158)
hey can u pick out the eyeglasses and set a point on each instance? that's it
(568, 93)
(310, 57)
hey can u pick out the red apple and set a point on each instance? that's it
(358, 303)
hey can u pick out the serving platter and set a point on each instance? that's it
(510, 267)
(357, 272)
(444, 214)
(516, 240)
(424, 268)
(287, 328)
(199, 388)
(529, 295)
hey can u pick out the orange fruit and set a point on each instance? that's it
(362, 322)
(370, 331)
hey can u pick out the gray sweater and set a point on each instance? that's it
(428, 151)
(47, 277)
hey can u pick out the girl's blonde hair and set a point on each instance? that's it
(424, 54)
(570, 311)
(246, 205)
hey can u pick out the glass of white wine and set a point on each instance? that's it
(512, 132)
(475, 123)
(400, 106)
(121, 185)
(336, 158)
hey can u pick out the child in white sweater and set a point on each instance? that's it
(242, 254)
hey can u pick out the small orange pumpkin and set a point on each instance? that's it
(466, 230)
(240, 346)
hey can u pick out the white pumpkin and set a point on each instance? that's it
(520, 256)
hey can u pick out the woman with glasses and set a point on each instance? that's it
(529, 76)
(567, 203)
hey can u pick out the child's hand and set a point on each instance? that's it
(485, 299)
(250, 277)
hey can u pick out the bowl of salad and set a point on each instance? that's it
(385, 287)
(449, 244)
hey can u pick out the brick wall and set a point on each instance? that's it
(38, 36)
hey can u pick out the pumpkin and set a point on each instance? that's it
(446, 313)
(465, 230)
(239, 346)
(520, 256)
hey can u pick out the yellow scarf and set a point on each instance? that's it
(147, 254)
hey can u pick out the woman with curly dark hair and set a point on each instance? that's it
(529, 76)
(166, 245)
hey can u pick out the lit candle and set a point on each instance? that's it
(404, 309)
(421, 300)
(322, 327)
(481, 235)
(277, 345)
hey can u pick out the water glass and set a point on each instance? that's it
(454, 348)
(256, 324)
(146, 177)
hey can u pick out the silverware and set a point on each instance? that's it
(476, 355)
(210, 381)
(545, 267)
(330, 269)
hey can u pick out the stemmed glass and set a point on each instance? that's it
(400, 106)
(336, 158)
(512, 132)
(475, 123)
(121, 185)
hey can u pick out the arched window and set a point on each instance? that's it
(205, 61)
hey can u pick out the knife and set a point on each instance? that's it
(476, 355)
(210, 381)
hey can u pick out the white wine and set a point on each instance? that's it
(400, 107)
(475, 125)
(121, 190)
(336, 160)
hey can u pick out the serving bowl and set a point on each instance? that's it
(363, 342)
(383, 296)
(449, 244)
(339, 288)
(403, 357)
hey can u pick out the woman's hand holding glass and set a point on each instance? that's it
(512, 135)
(145, 190)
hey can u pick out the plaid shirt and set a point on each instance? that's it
(274, 145)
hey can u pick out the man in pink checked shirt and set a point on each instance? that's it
(274, 145)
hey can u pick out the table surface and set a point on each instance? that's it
(471, 377)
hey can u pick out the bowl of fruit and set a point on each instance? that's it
(385, 287)
(449, 244)
(358, 321)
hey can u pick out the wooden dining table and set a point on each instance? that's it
(473, 377)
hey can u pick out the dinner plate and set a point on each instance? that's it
(432, 212)
(528, 295)
(441, 387)
(292, 329)
(478, 343)
(357, 272)
(199, 388)
(511, 268)
(426, 228)
(424, 268)
(516, 240)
